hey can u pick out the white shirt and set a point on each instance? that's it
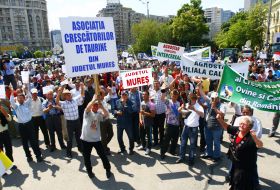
(36, 107)
(91, 127)
(193, 119)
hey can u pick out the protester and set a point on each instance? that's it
(26, 128)
(52, 113)
(91, 135)
(123, 113)
(213, 131)
(172, 125)
(146, 120)
(37, 117)
(71, 113)
(158, 127)
(191, 124)
(5, 140)
(242, 153)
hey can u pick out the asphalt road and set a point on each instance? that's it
(139, 171)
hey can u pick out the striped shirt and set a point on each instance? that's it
(70, 108)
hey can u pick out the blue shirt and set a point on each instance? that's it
(124, 120)
(135, 99)
(9, 68)
(277, 73)
(23, 111)
(52, 111)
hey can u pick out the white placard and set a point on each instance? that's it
(169, 52)
(136, 78)
(25, 77)
(210, 70)
(63, 68)
(263, 55)
(125, 54)
(201, 54)
(47, 89)
(2, 92)
(89, 45)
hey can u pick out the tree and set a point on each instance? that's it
(14, 54)
(242, 27)
(19, 49)
(48, 53)
(189, 26)
(147, 33)
(38, 54)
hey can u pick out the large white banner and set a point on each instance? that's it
(210, 70)
(169, 52)
(203, 54)
(89, 45)
(136, 78)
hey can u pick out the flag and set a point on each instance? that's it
(260, 95)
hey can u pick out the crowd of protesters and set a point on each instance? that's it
(174, 107)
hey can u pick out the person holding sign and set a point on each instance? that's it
(91, 135)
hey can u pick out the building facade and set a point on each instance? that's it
(215, 17)
(249, 3)
(56, 38)
(24, 22)
(275, 22)
(124, 18)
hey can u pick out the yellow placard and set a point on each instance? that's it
(5, 163)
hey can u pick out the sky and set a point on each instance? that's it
(89, 8)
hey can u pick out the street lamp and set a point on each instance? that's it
(146, 2)
(268, 27)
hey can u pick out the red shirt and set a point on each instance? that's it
(238, 140)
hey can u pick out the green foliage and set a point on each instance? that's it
(48, 53)
(189, 25)
(19, 49)
(242, 27)
(147, 33)
(38, 54)
(14, 55)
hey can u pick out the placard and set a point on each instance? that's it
(25, 77)
(169, 52)
(89, 45)
(136, 78)
(2, 92)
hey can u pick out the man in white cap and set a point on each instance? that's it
(37, 116)
(71, 114)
